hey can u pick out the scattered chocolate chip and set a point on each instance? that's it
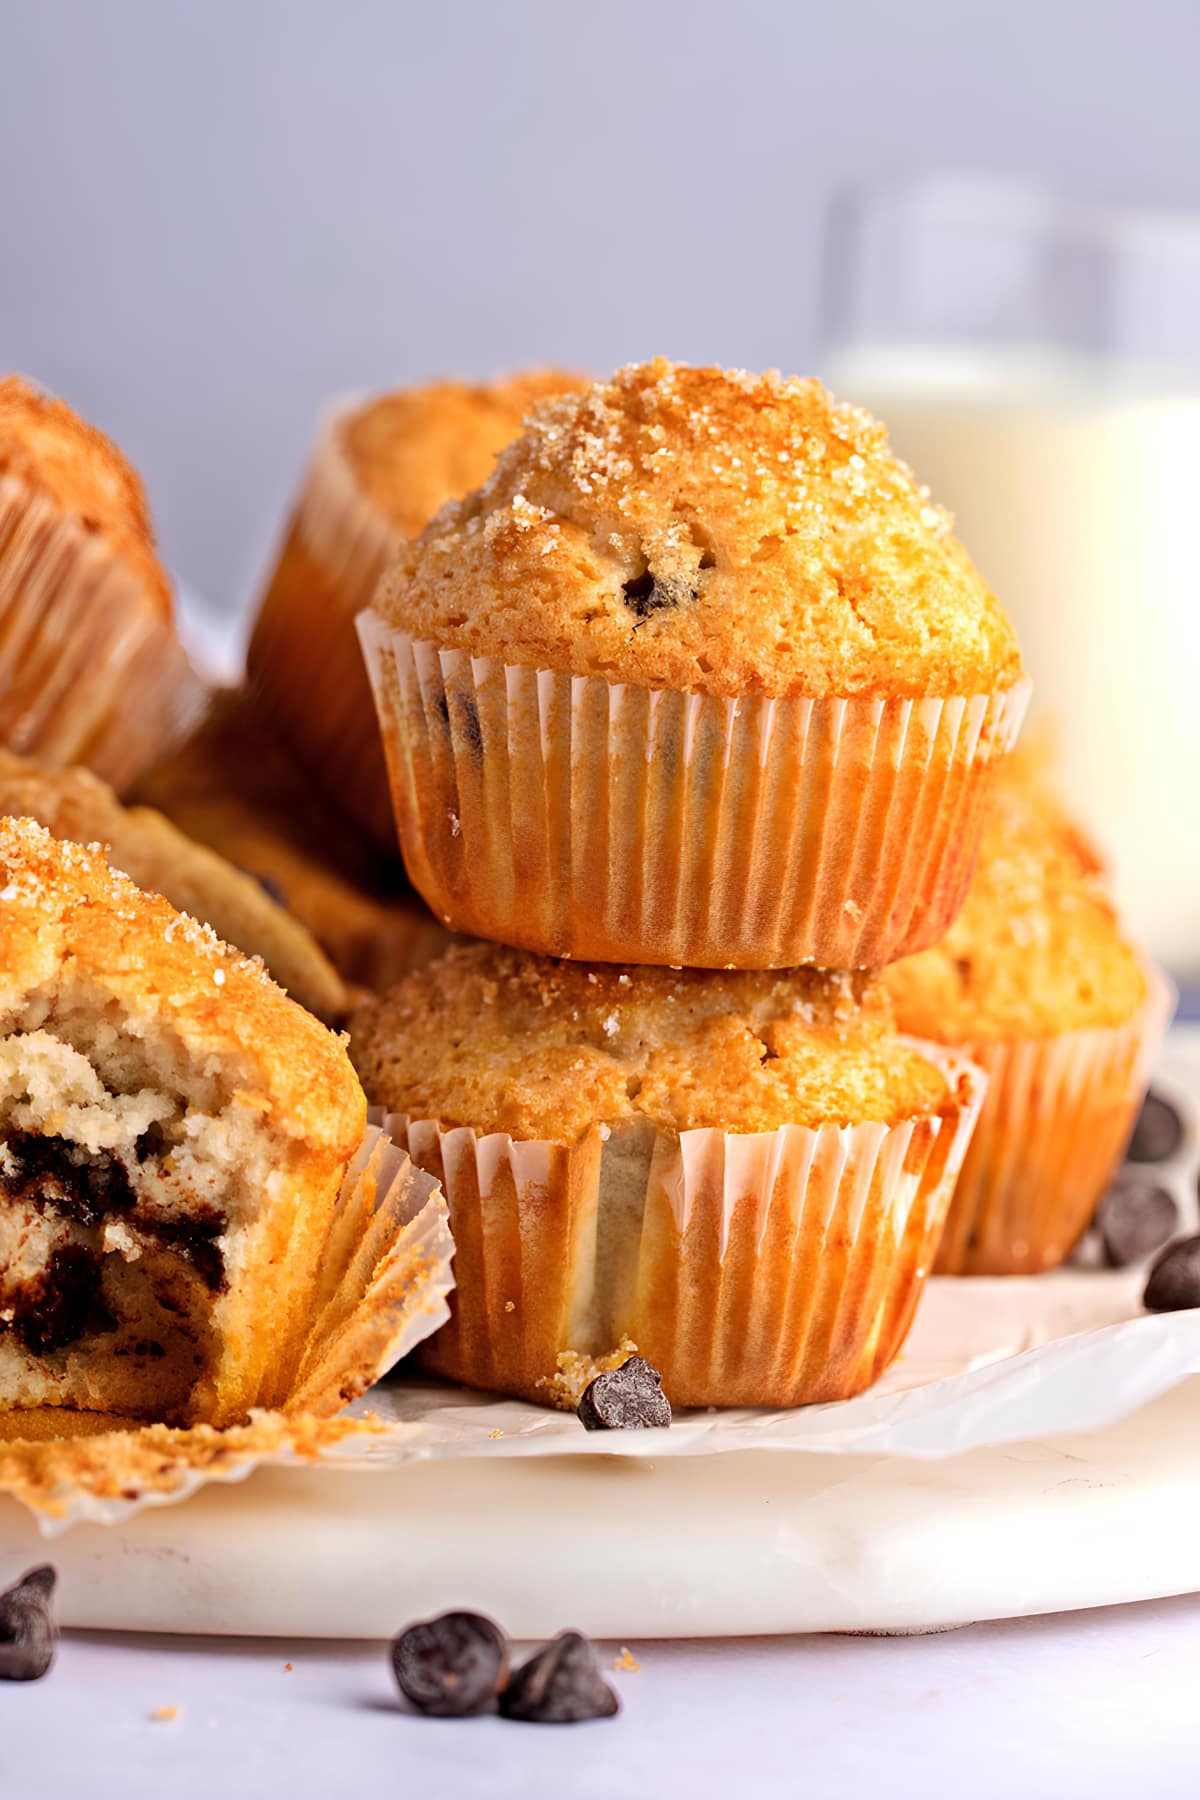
(28, 1633)
(561, 1684)
(1135, 1217)
(452, 1665)
(1174, 1282)
(1158, 1132)
(626, 1399)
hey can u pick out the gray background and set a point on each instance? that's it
(216, 215)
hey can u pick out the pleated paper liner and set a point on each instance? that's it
(304, 659)
(1056, 1118)
(756, 1269)
(385, 1274)
(584, 818)
(89, 670)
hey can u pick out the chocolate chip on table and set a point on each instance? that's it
(1158, 1132)
(626, 1399)
(452, 1665)
(561, 1684)
(28, 1633)
(1135, 1217)
(1174, 1282)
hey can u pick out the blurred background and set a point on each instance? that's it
(219, 214)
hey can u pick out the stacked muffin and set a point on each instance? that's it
(698, 680)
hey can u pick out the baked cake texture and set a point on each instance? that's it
(173, 1136)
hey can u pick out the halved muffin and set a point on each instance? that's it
(1036, 982)
(699, 676)
(744, 1175)
(91, 669)
(380, 469)
(174, 1133)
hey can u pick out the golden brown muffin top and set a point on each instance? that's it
(63, 910)
(414, 449)
(1038, 948)
(77, 469)
(711, 531)
(505, 1041)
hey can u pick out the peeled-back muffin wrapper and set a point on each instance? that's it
(770, 1268)
(1057, 1115)
(587, 818)
(304, 658)
(87, 672)
(382, 1286)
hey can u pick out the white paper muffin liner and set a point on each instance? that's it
(1056, 1118)
(304, 658)
(384, 1277)
(760, 1269)
(586, 818)
(89, 672)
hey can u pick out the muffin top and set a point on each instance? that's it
(49, 448)
(65, 915)
(505, 1041)
(711, 531)
(1038, 948)
(416, 448)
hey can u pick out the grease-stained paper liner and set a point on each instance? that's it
(384, 1276)
(761, 1268)
(89, 672)
(581, 817)
(304, 658)
(1057, 1114)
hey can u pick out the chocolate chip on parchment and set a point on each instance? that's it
(452, 1665)
(1158, 1132)
(1174, 1282)
(1135, 1217)
(626, 1399)
(28, 1633)
(561, 1684)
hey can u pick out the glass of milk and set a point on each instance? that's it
(1038, 364)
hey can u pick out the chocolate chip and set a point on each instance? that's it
(1135, 1217)
(646, 594)
(452, 1665)
(626, 1399)
(561, 1684)
(28, 1633)
(1158, 1132)
(1174, 1282)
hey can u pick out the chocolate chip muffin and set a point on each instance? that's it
(380, 469)
(1037, 983)
(745, 1175)
(91, 669)
(699, 676)
(174, 1133)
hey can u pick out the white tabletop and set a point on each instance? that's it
(1098, 1704)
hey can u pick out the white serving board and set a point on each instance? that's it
(698, 1546)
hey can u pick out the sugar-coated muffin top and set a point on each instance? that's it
(416, 448)
(65, 913)
(502, 1040)
(49, 448)
(712, 531)
(1038, 948)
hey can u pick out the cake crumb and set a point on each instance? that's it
(576, 1371)
(495, 1434)
(510, 1306)
(287, 1668)
(627, 1663)
(165, 1713)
